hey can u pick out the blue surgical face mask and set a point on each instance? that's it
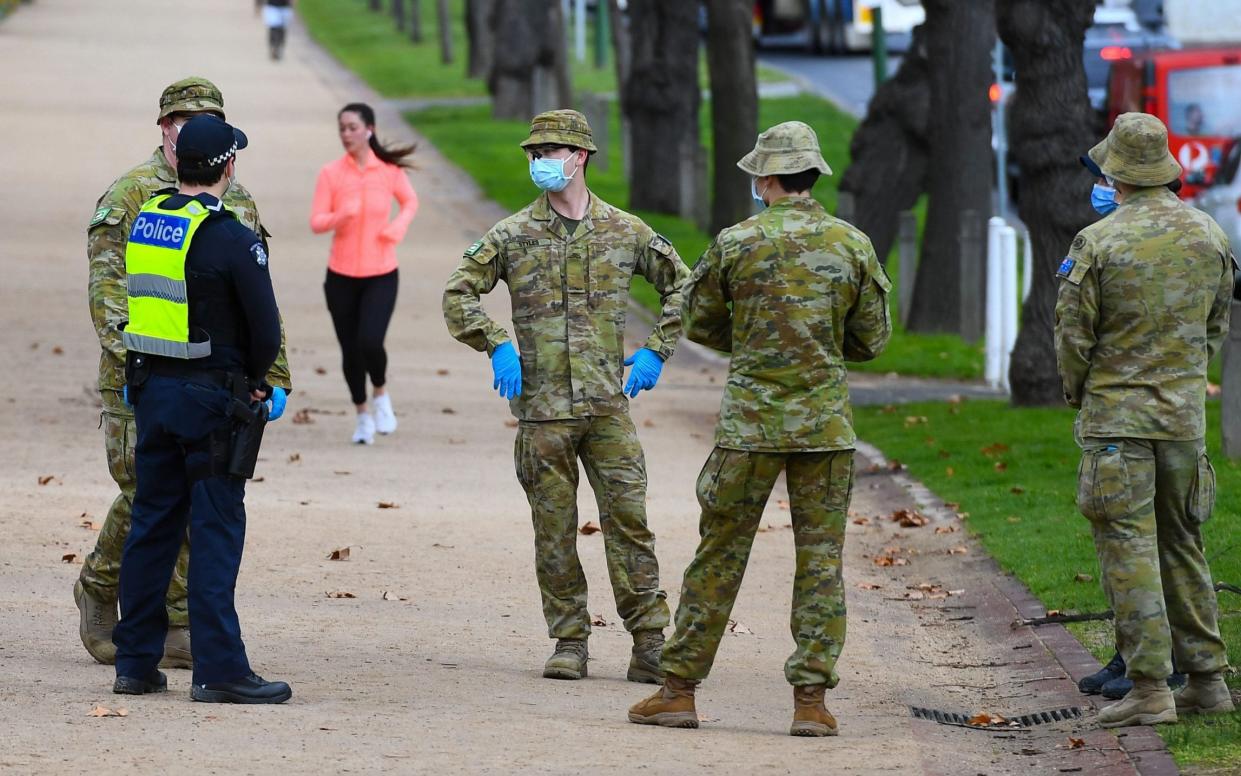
(548, 174)
(754, 192)
(1103, 199)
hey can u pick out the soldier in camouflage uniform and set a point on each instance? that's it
(792, 294)
(96, 589)
(1143, 305)
(568, 259)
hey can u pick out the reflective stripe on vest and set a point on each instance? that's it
(159, 310)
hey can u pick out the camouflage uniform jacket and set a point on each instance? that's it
(570, 299)
(105, 248)
(1142, 307)
(807, 294)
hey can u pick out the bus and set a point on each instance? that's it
(834, 26)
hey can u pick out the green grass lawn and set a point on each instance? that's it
(1014, 472)
(369, 44)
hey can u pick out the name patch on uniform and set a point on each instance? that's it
(259, 254)
(1066, 267)
(161, 230)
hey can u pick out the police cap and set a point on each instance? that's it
(207, 141)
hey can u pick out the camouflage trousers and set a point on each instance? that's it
(546, 456)
(733, 489)
(101, 571)
(1146, 500)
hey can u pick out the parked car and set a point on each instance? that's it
(1116, 35)
(1195, 93)
(833, 26)
(1222, 199)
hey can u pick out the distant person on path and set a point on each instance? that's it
(792, 294)
(276, 15)
(1143, 305)
(202, 333)
(568, 259)
(353, 199)
(96, 589)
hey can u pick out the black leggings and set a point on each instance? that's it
(361, 309)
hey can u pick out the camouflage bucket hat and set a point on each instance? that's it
(1136, 152)
(190, 95)
(560, 127)
(785, 149)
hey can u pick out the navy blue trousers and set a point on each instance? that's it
(174, 416)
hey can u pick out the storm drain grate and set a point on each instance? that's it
(1022, 720)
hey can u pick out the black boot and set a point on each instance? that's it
(1093, 684)
(131, 685)
(1121, 685)
(248, 689)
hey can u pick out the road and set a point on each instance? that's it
(847, 81)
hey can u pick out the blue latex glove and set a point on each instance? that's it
(647, 364)
(506, 371)
(125, 396)
(275, 405)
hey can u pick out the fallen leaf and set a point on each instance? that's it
(704, 718)
(342, 473)
(341, 553)
(1076, 743)
(944, 454)
(387, 596)
(961, 550)
(915, 420)
(1000, 466)
(69, 557)
(448, 411)
(895, 465)
(945, 529)
(950, 472)
(782, 504)
(302, 417)
(994, 449)
(445, 546)
(442, 372)
(861, 521)
(295, 458)
(340, 594)
(888, 409)
(104, 711)
(589, 528)
(1083, 578)
(954, 506)
(388, 505)
(320, 370)
(915, 595)
(58, 350)
(1016, 490)
(736, 627)
(1053, 613)
(46, 478)
(598, 621)
(648, 423)
(259, 479)
(868, 586)
(909, 518)
(986, 719)
(901, 562)
(90, 525)
(1014, 519)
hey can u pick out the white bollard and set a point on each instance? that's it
(993, 326)
(579, 29)
(1027, 275)
(1008, 293)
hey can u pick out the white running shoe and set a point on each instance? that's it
(364, 433)
(385, 419)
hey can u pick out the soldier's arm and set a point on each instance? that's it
(868, 326)
(1221, 308)
(706, 314)
(659, 263)
(105, 250)
(478, 274)
(1077, 315)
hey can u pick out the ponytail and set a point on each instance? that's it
(394, 155)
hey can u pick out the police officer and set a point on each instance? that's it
(203, 330)
(792, 294)
(95, 590)
(568, 259)
(1143, 305)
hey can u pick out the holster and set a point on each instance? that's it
(245, 438)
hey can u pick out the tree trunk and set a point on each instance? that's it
(889, 150)
(478, 34)
(398, 13)
(529, 71)
(415, 21)
(375, 5)
(620, 42)
(1049, 126)
(660, 99)
(949, 292)
(444, 20)
(734, 107)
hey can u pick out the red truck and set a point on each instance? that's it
(1194, 91)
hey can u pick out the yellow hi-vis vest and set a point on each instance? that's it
(159, 310)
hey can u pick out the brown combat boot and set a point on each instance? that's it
(648, 649)
(1204, 693)
(671, 706)
(1148, 703)
(810, 716)
(568, 661)
(96, 624)
(177, 649)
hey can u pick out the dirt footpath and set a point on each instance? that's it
(433, 664)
